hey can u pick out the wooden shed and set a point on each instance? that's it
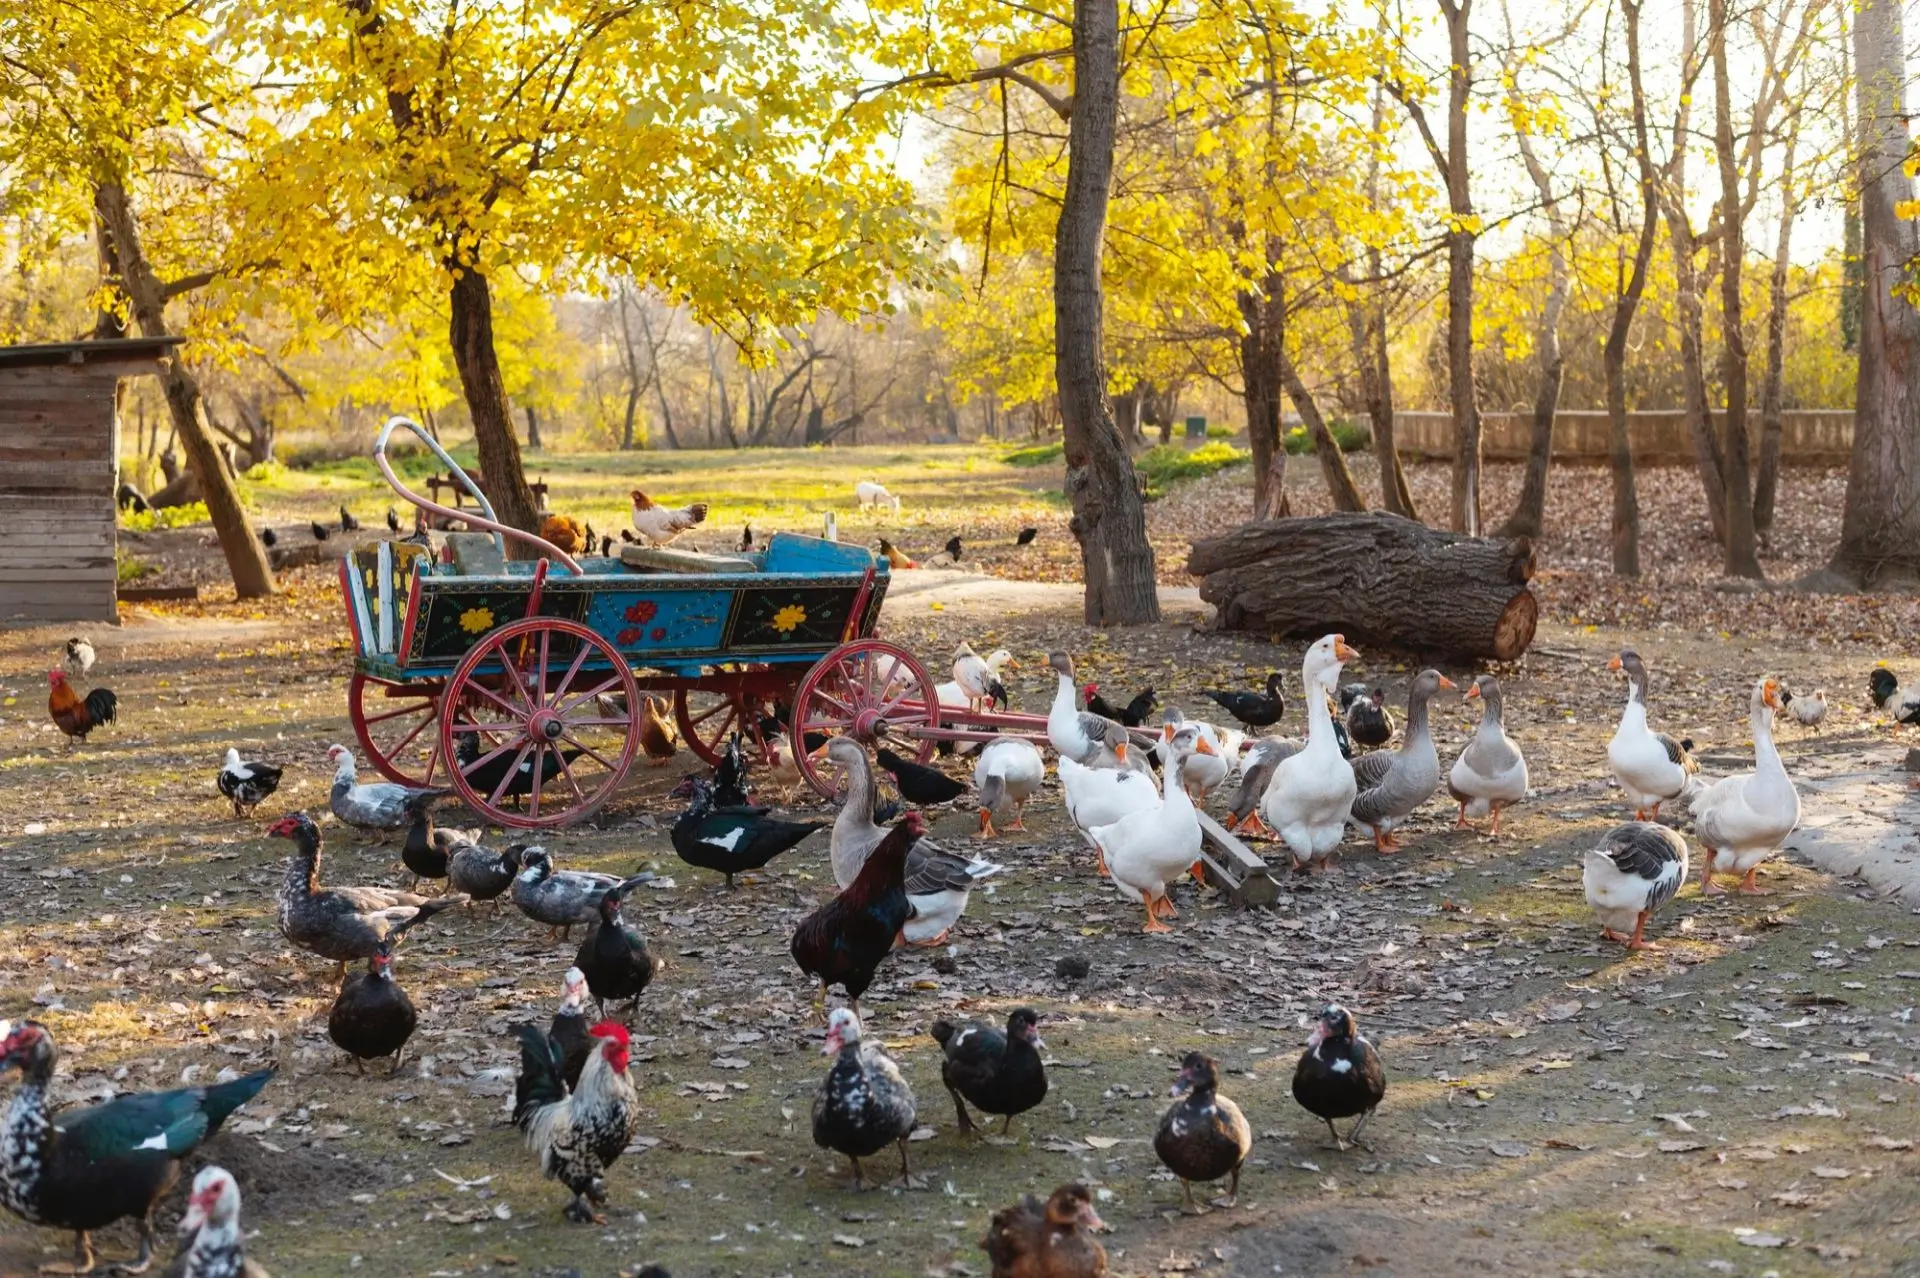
(59, 467)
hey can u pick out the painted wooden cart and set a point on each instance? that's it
(518, 683)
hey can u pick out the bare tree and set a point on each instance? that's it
(1367, 337)
(1451, 165)
(1880, 526)
(1741, 558)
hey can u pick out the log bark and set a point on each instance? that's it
(1380, 580)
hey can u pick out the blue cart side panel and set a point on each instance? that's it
(794, 553)
(663, 617)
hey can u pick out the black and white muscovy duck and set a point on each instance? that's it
(493, 767)
(614, 957)
(998, 1073)
(577, 1135)
(730, 775)
(1254, 709)
(562, 898)
(83, 1169)
(428, 846)
(247, 784)
(939, 882)
(1204, 1136)
(210, 1240)
(373, 1016)
(731, 839)
(863, 1104)
(1339, 1075)
(376, 807)
(568, 1028)
(1369, 722)
(482, 874)
(919, 784)
(344, 923)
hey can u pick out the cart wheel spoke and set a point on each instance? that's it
(506, 778)
(586, 749)
(429, 710)
(597, 689)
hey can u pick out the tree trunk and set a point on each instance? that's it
(1367, 335)
(1378, 579)
(1460, 246)
(659, 382)
(1685, 248)
(1773, 382)
(1109, 520)
(1260, 374)
(1742, 557)
(246, 557)
(470, 331)
(533, 430)
(1333, 463)
(1626, 499)
(1880, 525)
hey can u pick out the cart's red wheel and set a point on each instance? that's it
(854, 688)
(706, 719)
(397, 725)
(545, 731)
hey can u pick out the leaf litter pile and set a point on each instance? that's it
(1742, 1101)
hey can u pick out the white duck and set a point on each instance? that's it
(1746, 817)
(1080, 735)
(1150, 849)
(1490, 773)
(1101, 796)
(1009, 770)
(938, 881)
(1634, 871)
(1307, 802)
(953, 697)
(971, 672)
(1652, 767)
(1200, 771)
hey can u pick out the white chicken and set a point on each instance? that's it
(661, 524)
(1807, 709)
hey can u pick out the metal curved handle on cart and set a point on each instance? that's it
(489, 522)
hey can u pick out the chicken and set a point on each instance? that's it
(577, 1136)
(846, 940)
(894, 557)
(1885, 687)
(1026, 536)
(656, 734)
(1807, 709)
(247, 784)
(393, 520)
(661, 524)
(320, 531)
(567, 534)
(746, 538)
(80, 656)
(74, 716)
(948, 556)
(1132, 715)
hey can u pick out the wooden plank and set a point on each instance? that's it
(157, 594)
(21, 558)
(1233, 868)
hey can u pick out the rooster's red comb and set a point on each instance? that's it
(610, 1029)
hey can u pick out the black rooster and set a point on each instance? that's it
(845, 941)
(1132, 715)
(393, 520)
(1026, 536)
(347, 522)
(730, 775)
(320, 532)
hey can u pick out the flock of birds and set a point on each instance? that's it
(1134, 794)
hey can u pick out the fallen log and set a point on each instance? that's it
(1380, 580)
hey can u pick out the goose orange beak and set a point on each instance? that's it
(1613, 663)
(1343, 650)
(818, 752)
(1166, 732)
(1473, 690)
(1201, 747)
(1447, 683)
(1120, 752)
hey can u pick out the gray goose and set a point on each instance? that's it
(1391, 786)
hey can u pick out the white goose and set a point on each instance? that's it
(1076, 734)
(1200, 772)
(1009, 770)
(1745, 818)
(1652, 767)
(1101, 796)
(1490, 773)
(1152, 848)
(1307, 802)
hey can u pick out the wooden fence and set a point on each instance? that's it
(1808, 437)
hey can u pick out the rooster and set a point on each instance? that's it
(74, 716)
(845, 940)
(578, 1135)
(1132, 715)
(567, 533)
(661, 524)
(894, 556)
(1885, 687)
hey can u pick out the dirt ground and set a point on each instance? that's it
(1742, 1102)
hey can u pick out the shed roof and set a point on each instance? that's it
(116, 350)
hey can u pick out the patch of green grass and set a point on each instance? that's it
(1350, 435)
(1222, 432)
(129, 568)
(168, 517)
(1038, 455)
(1168, 464)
